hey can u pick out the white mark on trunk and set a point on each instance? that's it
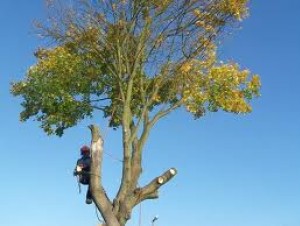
(96, 146)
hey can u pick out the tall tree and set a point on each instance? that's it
(136, 61)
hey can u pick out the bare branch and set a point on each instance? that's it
(150, 191)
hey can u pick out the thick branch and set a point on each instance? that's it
(137, 151)
(99, 196)
(120, 202)
(150, 191)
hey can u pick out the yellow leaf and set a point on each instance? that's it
(197, 12)
(186, 67)
(200, 23)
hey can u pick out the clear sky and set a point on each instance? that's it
(233, 170)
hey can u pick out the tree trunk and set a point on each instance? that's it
(99, 196)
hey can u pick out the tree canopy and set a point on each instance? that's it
(149, 56)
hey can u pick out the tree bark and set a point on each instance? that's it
(150, 191)
(99, 196)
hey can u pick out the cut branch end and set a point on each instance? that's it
(173, 171)
(160, 180)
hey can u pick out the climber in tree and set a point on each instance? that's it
(82, 171)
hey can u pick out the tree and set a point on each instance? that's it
(136, 61)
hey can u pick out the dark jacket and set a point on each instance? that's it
(85, 163)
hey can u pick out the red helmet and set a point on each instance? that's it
(84, 150)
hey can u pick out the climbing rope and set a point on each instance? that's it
(140, 208)
(96, 210)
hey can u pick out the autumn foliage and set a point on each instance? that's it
(165, 52)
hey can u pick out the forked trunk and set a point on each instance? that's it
(117, 213)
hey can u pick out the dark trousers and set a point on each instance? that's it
(85, 179)
(89, 193)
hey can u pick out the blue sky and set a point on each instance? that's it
(233, 170)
